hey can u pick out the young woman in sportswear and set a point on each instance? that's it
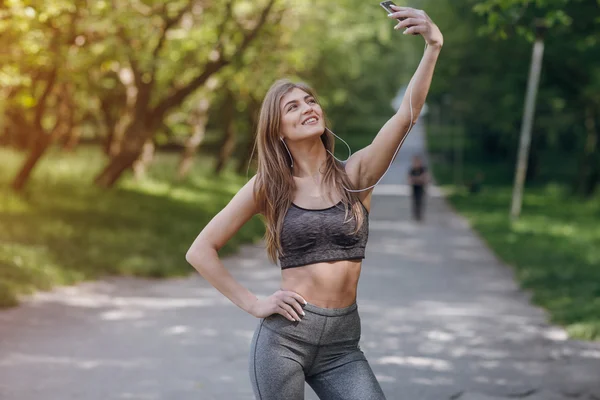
(316, 211)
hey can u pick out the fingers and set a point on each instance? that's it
(401, 14)
(296, 296)
(414, 30)
(406, 12)
(410, 22)
(289, 303)
(417, 22)
(287, 311)
(294, 299)
(400, 8)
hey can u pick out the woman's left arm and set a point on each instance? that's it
(373, 160)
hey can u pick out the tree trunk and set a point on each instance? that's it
(589, 170)
(244, 162)
(140, 166)
(132, 146)
(118, 133)
(252, 118)
(22, 132)
(135, 97)
(40, 139)
(35, 155)
(72, 139)
(199, 119)
(118, 164)
(228, 142)
(108, 142)
(70, 131)
(110, 124)
(67, 131)
(226, 148)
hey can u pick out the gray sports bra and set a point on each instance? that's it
(309, 236)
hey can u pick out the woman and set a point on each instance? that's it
(316, 217)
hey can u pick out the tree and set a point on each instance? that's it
(41, 97)
(160, 90)
(574, 28)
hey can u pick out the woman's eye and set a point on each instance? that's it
(292, 107)
(312, 101)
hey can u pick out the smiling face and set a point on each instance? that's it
(301, 116)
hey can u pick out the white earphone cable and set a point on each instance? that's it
(397, 150)
(349, 150)
(410, 86)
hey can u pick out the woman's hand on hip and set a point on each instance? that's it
(283, 302)
(417, 22)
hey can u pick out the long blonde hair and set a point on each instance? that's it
(274, 186)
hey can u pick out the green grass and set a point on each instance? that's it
(554, 247)
(62, 229)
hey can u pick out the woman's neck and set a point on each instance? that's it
(309, 158)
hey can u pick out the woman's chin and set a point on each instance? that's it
(313, 132)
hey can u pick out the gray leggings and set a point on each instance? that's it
(322, 349)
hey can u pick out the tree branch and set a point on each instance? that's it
(254, 32)
(211, 68)
(169, 23)
(121, 34)
(221, 27)
(190, 57)
(17, 118)
(181, 94)
(40, 106)
(135, 69)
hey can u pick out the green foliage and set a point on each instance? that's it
(480, 81)
(346, 49)
(63, 230)
(505, 17)
(553, 247)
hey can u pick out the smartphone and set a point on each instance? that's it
(386, 6)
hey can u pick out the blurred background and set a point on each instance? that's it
(126, 125)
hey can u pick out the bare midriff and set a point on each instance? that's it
(324, 284)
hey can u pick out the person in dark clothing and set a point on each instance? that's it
(418, 178)
(476, 184)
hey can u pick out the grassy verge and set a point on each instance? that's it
(62, 229)
(553, 247)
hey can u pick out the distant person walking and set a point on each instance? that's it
(418, 178)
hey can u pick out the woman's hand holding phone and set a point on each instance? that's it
(417, 22)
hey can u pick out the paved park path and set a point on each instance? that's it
(442, 319)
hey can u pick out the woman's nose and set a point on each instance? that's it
(307, 108)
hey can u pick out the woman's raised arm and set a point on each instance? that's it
(372, 161)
